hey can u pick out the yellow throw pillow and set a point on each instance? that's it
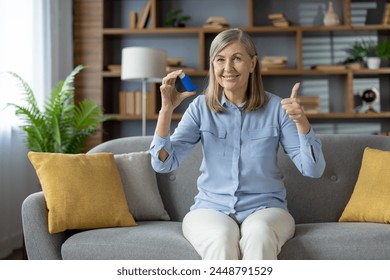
(370, 200)
(81, 191)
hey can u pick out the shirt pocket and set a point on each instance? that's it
(263, 142)
(214, 141)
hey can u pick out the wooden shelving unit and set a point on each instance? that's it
(96, 39)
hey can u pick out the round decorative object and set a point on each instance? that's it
(370, 96)
(331, 18)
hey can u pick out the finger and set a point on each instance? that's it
(294, 91)
(171, 77)
(188, 93)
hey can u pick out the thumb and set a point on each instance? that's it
(294, 91)
(186, 94)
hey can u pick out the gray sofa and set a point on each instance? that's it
(316, 205)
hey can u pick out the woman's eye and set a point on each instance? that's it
(237, 58)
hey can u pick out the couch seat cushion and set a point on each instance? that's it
(334, 241)
(148, 241)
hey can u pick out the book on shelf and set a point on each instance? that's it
(126, 103)
(386, 15)
(114, 68)
(310, 104)
(176, 63)
(144, 15)
(273, 62)
(274, 59)
(281, 23)
(133, 16)
(184, 68)
(275, 16)
(329, 67)
(138, 103)
(214, 25)
(130, 103)
(216, 22)
(279, 20)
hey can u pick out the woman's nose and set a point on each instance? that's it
(228, 65)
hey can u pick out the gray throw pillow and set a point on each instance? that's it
(140, 184)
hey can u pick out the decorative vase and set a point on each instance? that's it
(331, 18)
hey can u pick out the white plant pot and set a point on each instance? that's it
(373, 62)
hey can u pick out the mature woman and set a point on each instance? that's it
(240, 211)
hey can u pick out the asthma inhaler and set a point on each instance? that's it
(187, 83)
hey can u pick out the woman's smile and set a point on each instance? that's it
(229, 77)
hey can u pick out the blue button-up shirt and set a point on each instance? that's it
(239, 172)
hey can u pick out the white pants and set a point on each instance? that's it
(216, 236)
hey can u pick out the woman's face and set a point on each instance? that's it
(232, 67)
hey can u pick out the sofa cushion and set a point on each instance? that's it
(333, 241)
(81, 191)
(140, 184)
(148, 241)
(370, 199)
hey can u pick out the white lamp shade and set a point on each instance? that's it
(139, 63)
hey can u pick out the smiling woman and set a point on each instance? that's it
(30, 46)
(240, 127)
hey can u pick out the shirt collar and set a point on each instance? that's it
(226, 103)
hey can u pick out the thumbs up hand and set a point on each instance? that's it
(295, 112)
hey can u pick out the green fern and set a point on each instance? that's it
(62, 127)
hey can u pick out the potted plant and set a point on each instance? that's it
(63, 126)
(376, 52)
(356, 56)
(176, 19)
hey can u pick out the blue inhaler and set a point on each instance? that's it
(187, 83)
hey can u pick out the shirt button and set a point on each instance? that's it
(172, 177)
(333, 178)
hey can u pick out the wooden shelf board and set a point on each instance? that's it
(109, 74)
(255, 29)
(151, 31)
(366, 71)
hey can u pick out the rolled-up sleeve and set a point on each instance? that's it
(179, 144)
(155, 147)
(312, 158)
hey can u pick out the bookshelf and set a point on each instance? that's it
(103, 27)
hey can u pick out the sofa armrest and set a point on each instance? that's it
(40, 244)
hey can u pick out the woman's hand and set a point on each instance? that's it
(170, 97)
(294, 110)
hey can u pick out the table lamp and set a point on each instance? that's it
(146, 65)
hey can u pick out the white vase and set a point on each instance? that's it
(331, 18)
(373, 62)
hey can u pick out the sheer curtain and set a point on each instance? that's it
(36, 43)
